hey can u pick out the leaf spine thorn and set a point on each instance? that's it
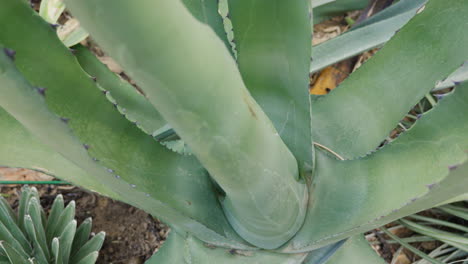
(41, 90)
(10, 53)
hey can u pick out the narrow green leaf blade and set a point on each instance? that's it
(130, 103)
(90, 259)
(206, 11)
(453, 239)
(372, 33)
(355, 118)
(12, 254)
(273, 41)
(413, 170)
(31, 231)
(54, 216)
(66, 240)
(82, 235)
(94, 244)
(356, 250)
(335, 8)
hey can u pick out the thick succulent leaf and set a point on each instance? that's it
(82, 235)
(337, 7)
(13, 255)
(411, 248)
(355, 118)
(67, 215)
(459, 76)
(208, 106)
(10, 229)
(455, 210)
(38, 250)
(54, 216)
(349, 197)
(8, 237)
(206, 11)
(66, 240)
(55, 249)
(452, 239)
(137, 169)
(90, 259)
(356, 250)
(94, 244)
(273, 53)
(187, 249)
(372, 33)
(34, 211)
(133, 105)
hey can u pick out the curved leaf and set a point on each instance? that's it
(273, 53)
(372, 33)
(134, 106)
(206, 11)
(186, 249)
(349, 197)
(137, 169)
(355, 118)
(356, 250)
(208, 106)
(336, 8)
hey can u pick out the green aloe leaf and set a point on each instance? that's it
(231, 136)
(38, 250)
(55, 248)
(34, 211)
(338, 7)
(188, 249)
(12, 240)
(67, 215)
(273, 54)
(206, 11)
(355, 118)
(413, 170)
(130, 103)
(372, 33)
(356, 250)
(94, 136)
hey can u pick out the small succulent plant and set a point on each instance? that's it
(29, 236)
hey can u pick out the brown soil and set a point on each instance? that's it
(132, 235)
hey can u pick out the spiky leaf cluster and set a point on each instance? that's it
(29, 236)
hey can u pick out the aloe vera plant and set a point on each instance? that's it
(29, 236)
(251, 168)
